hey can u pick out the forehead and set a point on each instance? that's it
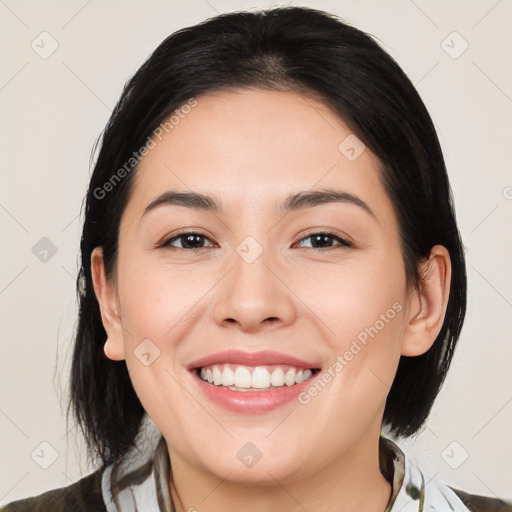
(256, 143)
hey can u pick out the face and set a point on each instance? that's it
(322, 281)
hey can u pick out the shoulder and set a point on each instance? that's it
(84, 495)
(477, 503)
(416, 489)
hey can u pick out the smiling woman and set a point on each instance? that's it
(277, 279)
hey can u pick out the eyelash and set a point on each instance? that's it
(166, 244)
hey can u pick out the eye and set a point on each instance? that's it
(188, 239)
(193, 241)
(321, 240)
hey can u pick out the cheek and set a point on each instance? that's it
(155, 298)
(351, 296)
(156, 303)
(360, 309)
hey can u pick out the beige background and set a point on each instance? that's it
(54, 108)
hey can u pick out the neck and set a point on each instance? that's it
(351, 483)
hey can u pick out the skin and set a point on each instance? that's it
(251, 148)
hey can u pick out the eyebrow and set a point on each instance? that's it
(292, 202)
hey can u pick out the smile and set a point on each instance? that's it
(257, 378)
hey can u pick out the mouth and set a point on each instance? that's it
(252, 383)
(243, 378)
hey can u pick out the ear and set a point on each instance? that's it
(427, 307)
(107, 298)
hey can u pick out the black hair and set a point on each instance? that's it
(294, 49)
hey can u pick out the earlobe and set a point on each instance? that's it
(427, 306)
(112, 351)
(107, 298)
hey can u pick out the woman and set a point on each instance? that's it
(271, 275)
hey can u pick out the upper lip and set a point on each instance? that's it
(261, 358)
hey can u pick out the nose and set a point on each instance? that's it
(254, 296)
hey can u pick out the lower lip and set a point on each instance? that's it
(252, 401)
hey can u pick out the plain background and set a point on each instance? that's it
(54, 108)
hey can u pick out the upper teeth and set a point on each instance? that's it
(261, 376)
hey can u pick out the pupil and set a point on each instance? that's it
(189, 240)
(320, 238)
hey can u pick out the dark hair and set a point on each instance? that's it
(287, 49)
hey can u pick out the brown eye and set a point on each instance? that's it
(188, 240)
(324, 240)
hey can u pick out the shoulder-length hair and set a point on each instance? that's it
(287, 49)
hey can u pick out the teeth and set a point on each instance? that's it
(217, 376)
(261, 378)
(242, 377)
(289, 378)
(228, 376)
(277, 377)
